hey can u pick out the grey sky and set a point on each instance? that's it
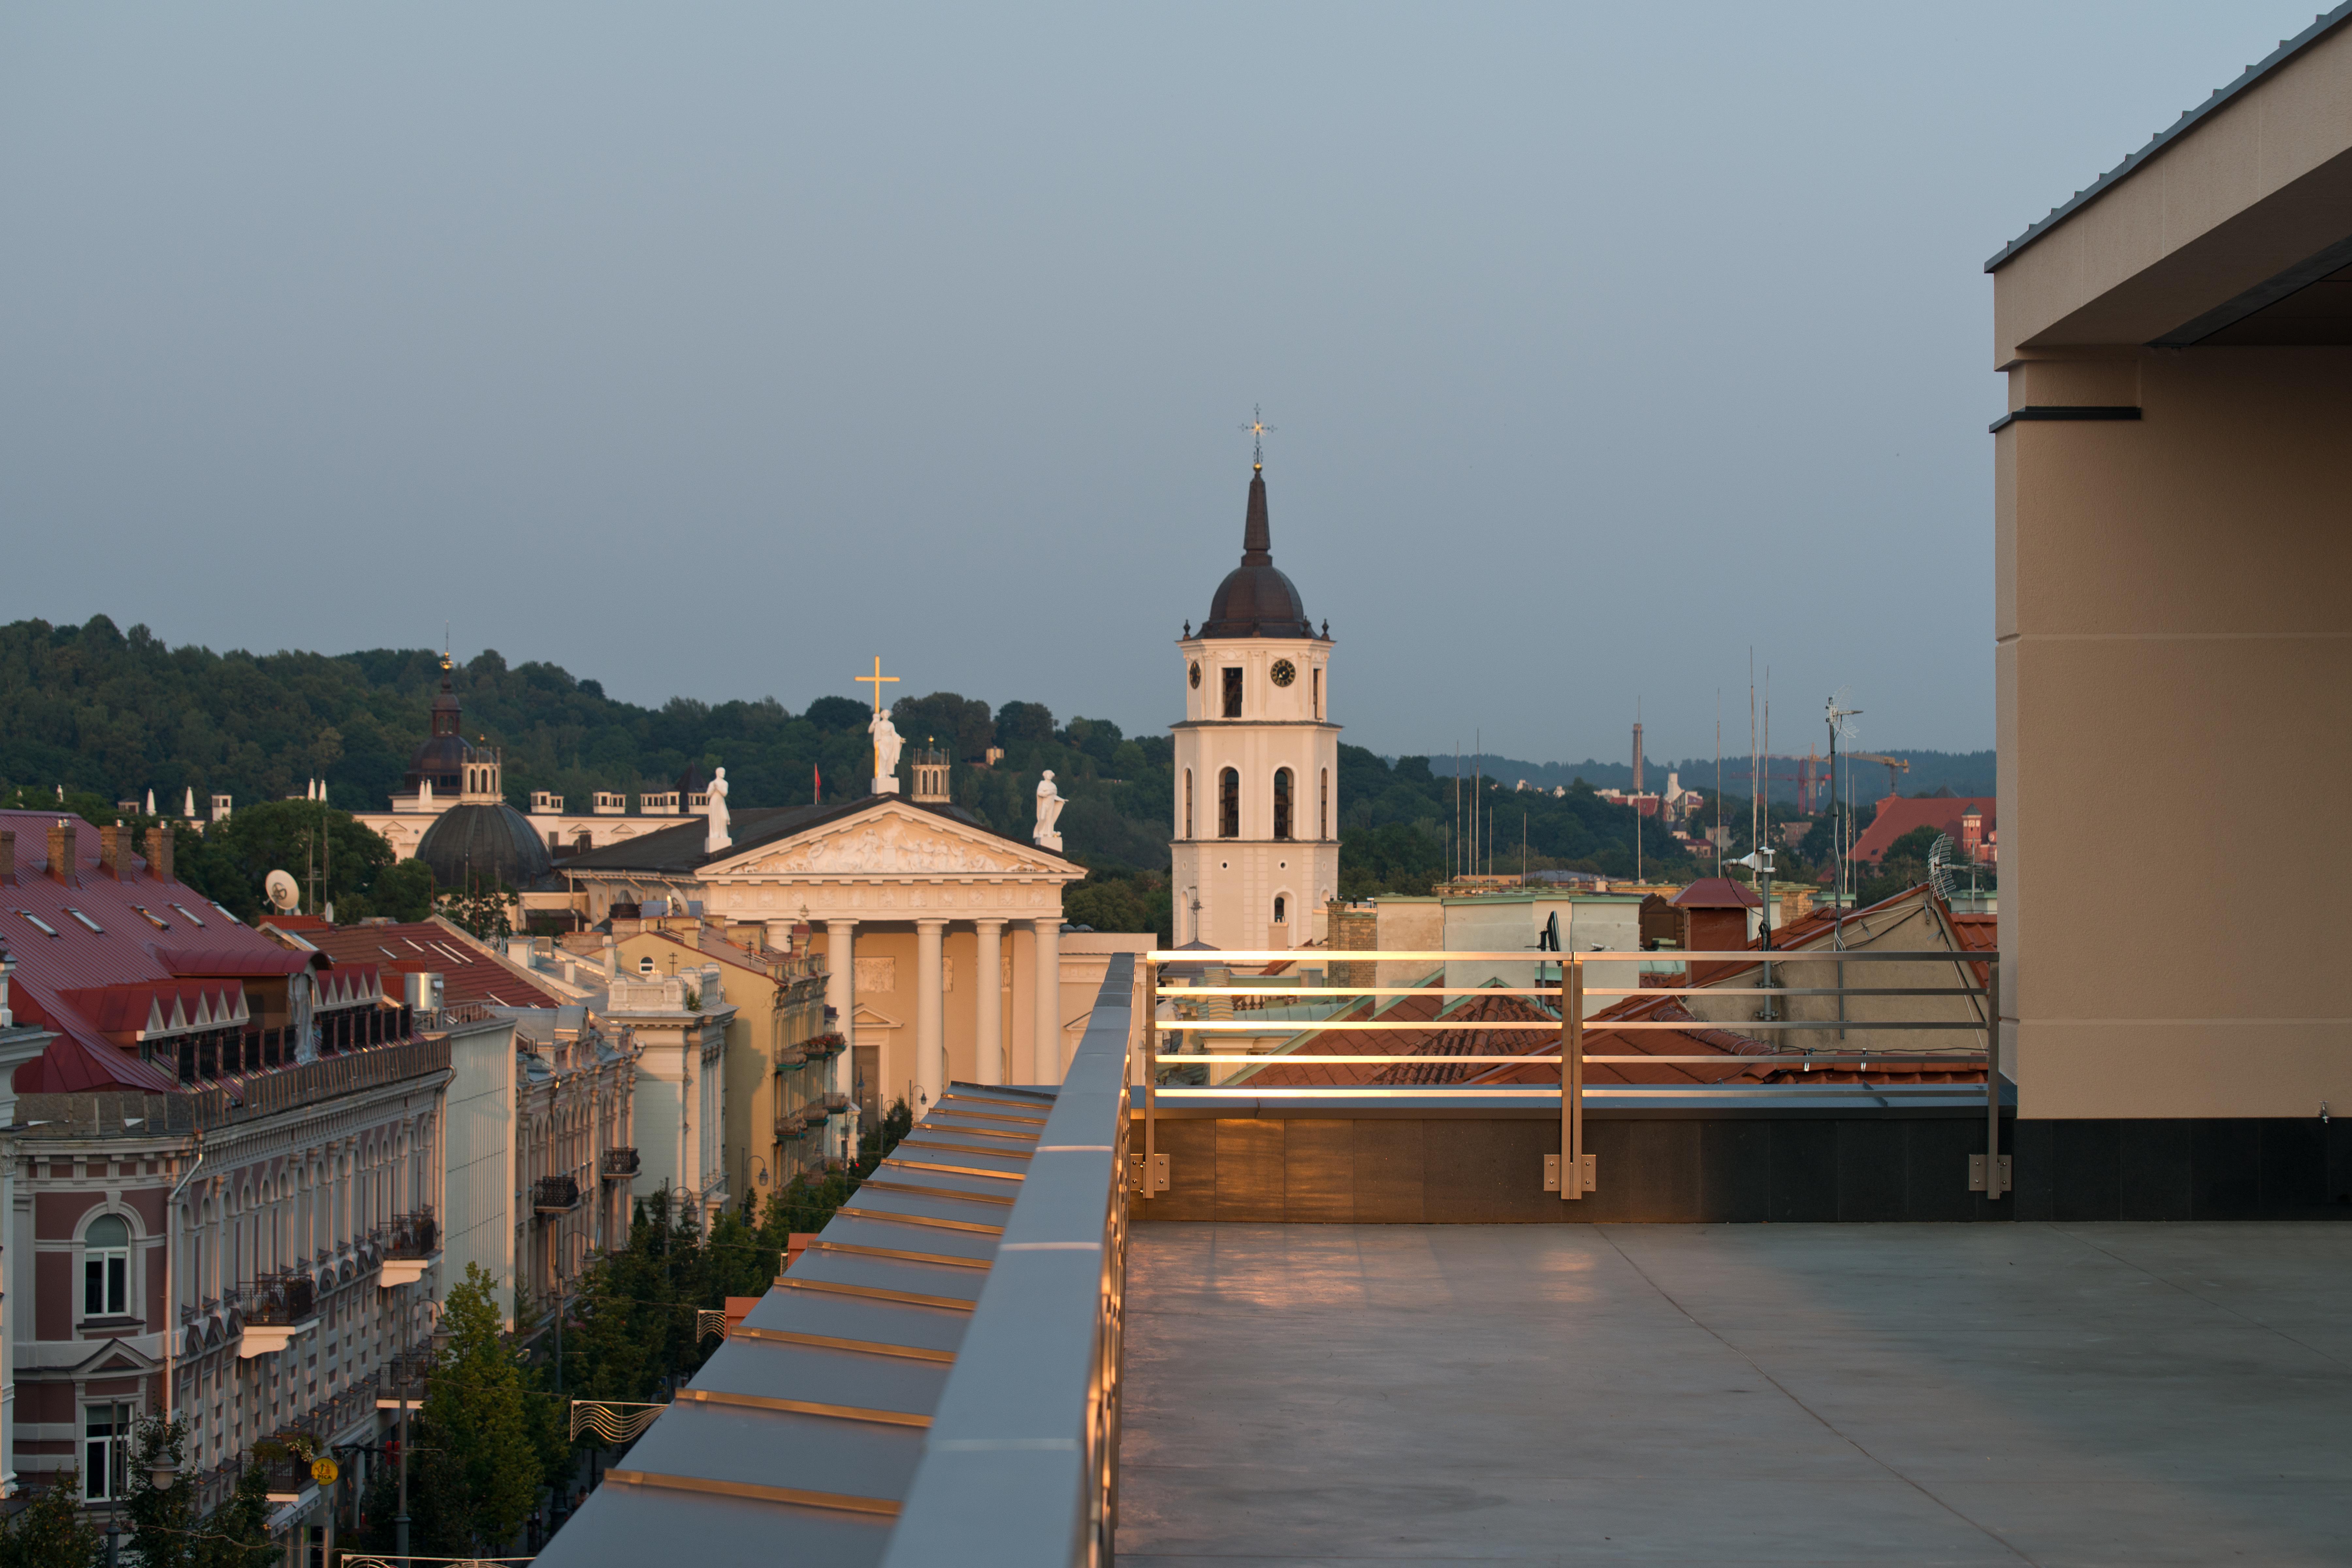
(715, 350)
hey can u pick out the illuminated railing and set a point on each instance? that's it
(1573, 1171)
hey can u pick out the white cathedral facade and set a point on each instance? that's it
(1257, 831)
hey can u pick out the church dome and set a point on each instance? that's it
(1256, 599)
(483, 846)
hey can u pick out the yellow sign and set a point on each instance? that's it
(324, 1471)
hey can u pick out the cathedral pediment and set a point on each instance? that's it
(892, 840)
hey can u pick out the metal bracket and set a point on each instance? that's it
(1551, 1173)
(1151, 1174)
(1977, 1175)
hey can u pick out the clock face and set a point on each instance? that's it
(1285, 672)
(1196, 676)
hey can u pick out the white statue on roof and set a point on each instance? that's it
(1049, 812)
(716, 821)
(886, 753)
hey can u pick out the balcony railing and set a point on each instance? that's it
(281, 1298)
(413, 1236)
(830, 1105)
(555, 1194)
(1966, 1007)
(618, 1164)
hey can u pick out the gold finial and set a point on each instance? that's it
(1257, 428)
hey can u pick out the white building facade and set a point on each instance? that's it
(1255, 849)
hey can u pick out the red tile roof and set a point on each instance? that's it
(1898, 815)
(149, 930)
(1717, 893)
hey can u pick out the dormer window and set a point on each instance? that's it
(189, 916)
(151, 918)
(95, 927)
(37, 923)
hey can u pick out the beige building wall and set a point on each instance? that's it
(479, 1151)
(2171, 615)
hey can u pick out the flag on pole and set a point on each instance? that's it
(817, 786)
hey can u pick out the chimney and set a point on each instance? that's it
(7, 857)
(114, 851)
(159, 852)
(62, 864)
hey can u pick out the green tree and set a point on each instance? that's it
(236, 1535)
(52, 1531)
(437, 1526)
(483, 911)
(230, 861)
(474, 1405)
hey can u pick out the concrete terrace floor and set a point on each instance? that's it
(1987, 1394)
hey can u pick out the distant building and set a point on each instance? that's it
(1899, 814)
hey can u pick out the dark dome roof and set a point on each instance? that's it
(1256, 600)
(485, 846)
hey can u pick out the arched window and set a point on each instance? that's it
(1229, 803)
(1187, 802)
(1281, 804)
(1323, 807)
(106, 1267)
(1281, 909)
(645, 964)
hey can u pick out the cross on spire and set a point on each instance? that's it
(875, 680)
(1257, 428)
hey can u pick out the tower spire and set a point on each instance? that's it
(1257, 534)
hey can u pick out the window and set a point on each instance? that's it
(37, 923)
(645, 964)
(1281, 907)
(151, 918)
(1323, 807)
(105, 1451)
(189, 915)
(85, 920)
(106, 1267)
(1229, 803)
(1281, 805)
(1319, 694)
(1187, 802)
(1233, 693)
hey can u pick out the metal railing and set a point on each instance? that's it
(413, 1235)
(1021, 1464)
(618, 1162)
(288, 1296)
(1572, 1172)
(555, 1194)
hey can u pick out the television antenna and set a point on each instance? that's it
(1939, 867)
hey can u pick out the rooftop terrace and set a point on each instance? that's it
(2046, 1393)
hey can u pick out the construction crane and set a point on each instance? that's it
(1893, 765)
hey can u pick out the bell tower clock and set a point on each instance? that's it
(1256, 851)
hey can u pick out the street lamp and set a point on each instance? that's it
(163, 1470)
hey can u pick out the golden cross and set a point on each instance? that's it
(1257, 428)
(876, 679)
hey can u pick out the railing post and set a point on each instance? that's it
(1155, 1168)
(1571, 1174)
(1994, 1186)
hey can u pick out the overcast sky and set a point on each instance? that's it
(714, 351)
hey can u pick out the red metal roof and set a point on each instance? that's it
(59, 976)
(1717, 893)
(429, 947)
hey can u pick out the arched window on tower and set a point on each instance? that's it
(1281, 909)
(1187, 802)
(1229, 803)
(1282, 803)
(1323, 807)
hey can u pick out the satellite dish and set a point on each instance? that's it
(282, 890)
(1939, 866)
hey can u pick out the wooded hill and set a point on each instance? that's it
(115, 714)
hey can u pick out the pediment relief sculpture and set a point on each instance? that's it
(890, 844)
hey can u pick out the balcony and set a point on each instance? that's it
(409, 1246)
(554, 1195)
(829, 1105)
(618, 1164)
(274, 1309)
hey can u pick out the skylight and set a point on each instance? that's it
(85, 920)
(153, 919)
(44, 927)
(189, 915)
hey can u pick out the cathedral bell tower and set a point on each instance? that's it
(1256, 843)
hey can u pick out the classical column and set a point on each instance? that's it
(930, 1013)
(988, 1002)
(1046, 1049)
(841, 996)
